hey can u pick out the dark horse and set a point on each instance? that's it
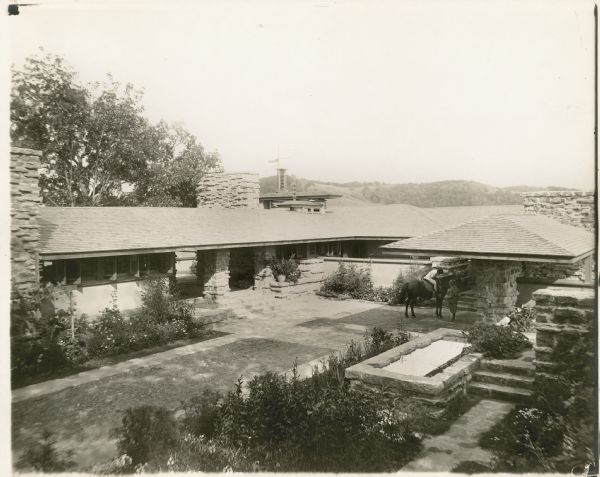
(415, 289)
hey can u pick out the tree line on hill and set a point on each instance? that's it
(430, 194)
(98, 147)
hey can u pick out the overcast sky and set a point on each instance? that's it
(392, 91)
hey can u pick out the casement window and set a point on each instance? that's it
(120, 268)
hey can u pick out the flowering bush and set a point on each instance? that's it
(500, 342)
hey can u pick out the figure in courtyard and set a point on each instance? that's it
(452, 296)
(432, 278)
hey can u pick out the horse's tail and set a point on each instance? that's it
(403, 293)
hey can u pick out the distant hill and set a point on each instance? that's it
(428, 194)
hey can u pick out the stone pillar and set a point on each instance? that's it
(262, 274)
(25, 213)
(495, 286)
(216, 273)
(569, 207)
(229, 190)
(563, 317)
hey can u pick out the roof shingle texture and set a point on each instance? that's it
(520, 235)
(103, 229)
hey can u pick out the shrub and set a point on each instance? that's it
(287, 267)
(43, 456)
(500, 342)
(201, 413)
(522, 319)
(147, 433)
(349, 280)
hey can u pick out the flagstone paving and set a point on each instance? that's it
(460, 443)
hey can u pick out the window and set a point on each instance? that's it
(124, 267)
(108, 267)
(72, 272)
(89, 270)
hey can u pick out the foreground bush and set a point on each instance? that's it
(281, 424)
(499, 342)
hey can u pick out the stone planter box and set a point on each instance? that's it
(437, 391)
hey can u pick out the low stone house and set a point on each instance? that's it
(99, 253)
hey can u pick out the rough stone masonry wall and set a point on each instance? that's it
(311, 277)
(568, 207)
(25, 213)
(229, 190)
(554, 271)
(495, 287)
(564, 316)
(216, 273)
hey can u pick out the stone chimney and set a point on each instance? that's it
(568, 207)
(229, 190)
(25, 215)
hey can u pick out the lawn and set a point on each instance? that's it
(82, 417)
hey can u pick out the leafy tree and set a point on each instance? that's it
(96, 141)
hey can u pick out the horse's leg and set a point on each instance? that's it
(412, 308)
(406, 309)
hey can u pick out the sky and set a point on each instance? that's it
(499, 92)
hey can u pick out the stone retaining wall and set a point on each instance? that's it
(25, 213)
(569, 207)
(563, 316)
(229, 190)
(311, 277)
(555, 271)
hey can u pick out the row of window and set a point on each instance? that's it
(86, 271)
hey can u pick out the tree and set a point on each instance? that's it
(174, 171)
(95, 140)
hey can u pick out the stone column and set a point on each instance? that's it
(262, 274)
(495, 286)
(564, 316)
(25, 213)
(216, 273)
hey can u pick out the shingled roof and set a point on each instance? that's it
(506, 237)
(86, 231)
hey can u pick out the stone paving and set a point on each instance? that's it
(460, 443)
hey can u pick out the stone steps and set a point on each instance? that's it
(511, 366)
(501, 392)
(504, 379)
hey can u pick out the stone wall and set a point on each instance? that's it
(495, 287)
(555, 271)
(25, 212)
(564, 316)
(215, 268)
(311, 277)
(263, 276)
(229, 190)
(569, 207)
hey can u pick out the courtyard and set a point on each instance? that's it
(271, 335)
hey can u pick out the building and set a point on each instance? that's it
(225, 244)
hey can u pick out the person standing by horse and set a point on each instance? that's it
(452, 295)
